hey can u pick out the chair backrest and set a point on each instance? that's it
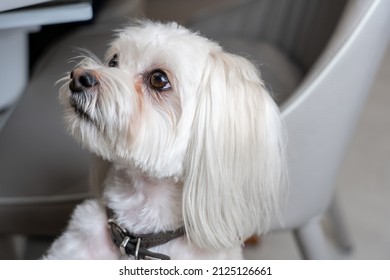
(322, 113)
(299, 28)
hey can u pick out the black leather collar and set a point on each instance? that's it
(137, 245)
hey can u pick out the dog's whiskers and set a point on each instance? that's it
(86, 58)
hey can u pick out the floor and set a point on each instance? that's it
(363, 184)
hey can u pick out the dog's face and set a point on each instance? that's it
(174, 104)
(138, 106)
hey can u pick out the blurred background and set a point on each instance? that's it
(326, 63)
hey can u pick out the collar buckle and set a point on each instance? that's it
(123, 245)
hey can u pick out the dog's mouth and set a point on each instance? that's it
(80, 101)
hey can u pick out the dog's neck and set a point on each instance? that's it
(143, 204)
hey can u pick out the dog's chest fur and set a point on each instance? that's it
(144, 205)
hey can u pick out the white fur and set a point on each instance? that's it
(207, 154)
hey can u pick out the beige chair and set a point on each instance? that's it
(319, 58)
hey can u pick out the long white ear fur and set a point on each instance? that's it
(235, 161)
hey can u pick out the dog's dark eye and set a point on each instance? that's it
(114, 61)
(159, 81)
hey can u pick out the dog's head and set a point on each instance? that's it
(174, 104)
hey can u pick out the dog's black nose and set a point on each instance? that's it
(81, 80)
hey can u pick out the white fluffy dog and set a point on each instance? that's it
(194, 143)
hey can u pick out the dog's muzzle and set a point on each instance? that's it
(83, 85)
(82, 80)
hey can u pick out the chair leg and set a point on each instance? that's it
(339, 227)
(311, 240)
